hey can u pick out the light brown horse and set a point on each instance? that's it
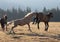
(42, 17)
(26, 20)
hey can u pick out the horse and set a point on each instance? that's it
(3, 22)
(42, 17)
(23, 21)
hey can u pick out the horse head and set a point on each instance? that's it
(50, 14)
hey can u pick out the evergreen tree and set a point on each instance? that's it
(28, 9)
(44, 10)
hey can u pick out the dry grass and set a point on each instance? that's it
(24, 35)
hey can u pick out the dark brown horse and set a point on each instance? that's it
(41, 17)
(3, 22)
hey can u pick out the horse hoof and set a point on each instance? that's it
(32, 23)
(14, 33)
(9, 33)
(29, 30)
(38, 28)
(46, 29)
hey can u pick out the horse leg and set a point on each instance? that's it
(34, 20)
(12, 31)
(38, 25)
(6, 27)
(46, 26)
(3, 26)
(29, 27)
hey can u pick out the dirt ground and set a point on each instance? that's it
(24, 35)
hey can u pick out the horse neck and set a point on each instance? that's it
(29, 16)
(49, 15)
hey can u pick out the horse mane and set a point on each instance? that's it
(28, 14)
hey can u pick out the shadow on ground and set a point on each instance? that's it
(39, 35)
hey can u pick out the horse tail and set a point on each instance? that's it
(9, 23)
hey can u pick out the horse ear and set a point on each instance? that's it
(51, 13)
